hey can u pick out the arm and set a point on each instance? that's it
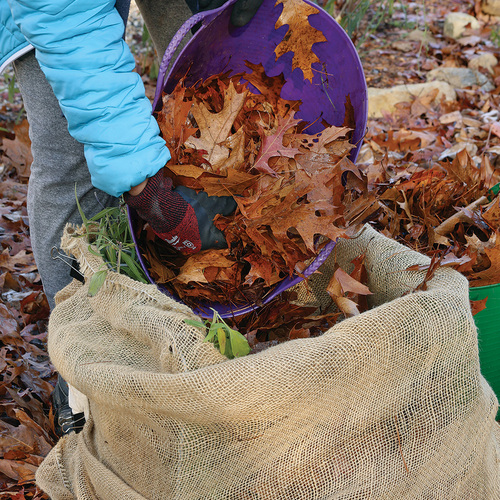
(80, 49)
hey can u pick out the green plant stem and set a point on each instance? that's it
(108, 232)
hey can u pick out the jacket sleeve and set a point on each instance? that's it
(80, 48)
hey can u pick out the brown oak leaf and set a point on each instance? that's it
(193, 269)
(491, 275)
(300, 37)
(272, 145)
(215, 128)
(173, 120)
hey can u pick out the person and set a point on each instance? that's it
(91, 127)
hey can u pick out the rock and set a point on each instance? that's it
(456, 23)
(487, 61)
(460, 78)
(402, 46)
(424, 37)
(385, 100)
(491, 7)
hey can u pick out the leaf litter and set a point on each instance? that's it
(291, 188)
(26, 376)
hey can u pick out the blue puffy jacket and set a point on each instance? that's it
(12, 42)
(79, 46)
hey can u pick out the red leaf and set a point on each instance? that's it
(272, 145)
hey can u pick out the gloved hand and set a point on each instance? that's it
(242, 13)
(180, 216)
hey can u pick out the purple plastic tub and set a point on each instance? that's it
(218, 46)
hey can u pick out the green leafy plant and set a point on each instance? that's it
(149, 58)
(351, 14)
(109, 237)
(495, 35)
(229, 342)
(12, 89)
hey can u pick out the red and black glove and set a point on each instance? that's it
(181, 216)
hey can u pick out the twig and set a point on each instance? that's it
(447, 225)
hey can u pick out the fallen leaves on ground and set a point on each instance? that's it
(26, 375)
(18, 149)
(418, 137)
(436, 207)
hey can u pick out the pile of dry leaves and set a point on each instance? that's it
(448, 211)
(291, 188)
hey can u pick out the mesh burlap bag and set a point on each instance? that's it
(389, 404)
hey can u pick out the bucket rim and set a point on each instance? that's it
(485, 287)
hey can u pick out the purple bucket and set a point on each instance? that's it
(219, 47)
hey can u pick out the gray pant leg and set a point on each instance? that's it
(163, 18)
(58, 163)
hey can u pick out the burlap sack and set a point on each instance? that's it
(386, 405)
